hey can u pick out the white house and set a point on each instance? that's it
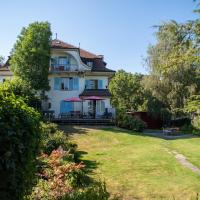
(78, 83)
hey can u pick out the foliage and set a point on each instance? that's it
(173, 63)
(31, 54)
(96, 191)
(52, 139)
(196, 124)
(19, 141)
(59, 177)
(125, 120)
(19, 88)
(126, 90)
(193, 104)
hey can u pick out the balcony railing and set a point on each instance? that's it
(63, 68)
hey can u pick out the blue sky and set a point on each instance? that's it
(121, 30)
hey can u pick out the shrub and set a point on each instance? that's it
(52, 139)
(21, 89)
(59, 176)
(63, 180)
(125, 120)
(196, 125)
(193, 127)
(19, 141)
(97, 191)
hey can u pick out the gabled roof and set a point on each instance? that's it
(58, 44)
(98, 63)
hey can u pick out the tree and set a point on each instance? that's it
(31, 54)
(193, 104)
(174, 65)
(126, 90)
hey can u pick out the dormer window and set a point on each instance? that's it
(90, 63)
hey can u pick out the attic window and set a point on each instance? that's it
(90, 63)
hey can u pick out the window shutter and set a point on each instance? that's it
(56, 62)
(102, 106)
(57, 83)
(62, 107)
(76, 83)
(87, 84)
(100, 84)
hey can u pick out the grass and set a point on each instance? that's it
(137, 166)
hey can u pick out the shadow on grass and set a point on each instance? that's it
(70, 130)
(90, 164)
(151, 133)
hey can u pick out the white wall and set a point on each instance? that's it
(75, 54)
(56, 96)
(104, 78)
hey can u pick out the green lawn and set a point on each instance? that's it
(138, 166)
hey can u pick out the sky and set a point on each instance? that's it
(121, 30)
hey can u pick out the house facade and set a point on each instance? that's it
(78, 83)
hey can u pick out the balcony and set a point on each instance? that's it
(63, 68)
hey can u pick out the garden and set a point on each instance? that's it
(138, 166)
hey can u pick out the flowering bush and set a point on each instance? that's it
(60, 179)
(57, 175)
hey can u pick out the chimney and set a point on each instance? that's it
(101, 57)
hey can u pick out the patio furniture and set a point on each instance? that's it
(64, 115)
(48, 114)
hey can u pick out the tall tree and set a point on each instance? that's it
(31, 54)
(126, 90)
(174, 64)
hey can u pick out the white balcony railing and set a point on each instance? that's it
(63, 68)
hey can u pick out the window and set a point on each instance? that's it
(100, 107)
(94, 84)
(90, 63)
(64, 63)
(69, 83)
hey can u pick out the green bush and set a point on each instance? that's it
(19, 141)
(193, 127)
(127, 121)
(97, 191)
(52, 139)
(21, 89)
(196, 125)
(59, 176)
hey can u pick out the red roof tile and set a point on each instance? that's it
(63, 45)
